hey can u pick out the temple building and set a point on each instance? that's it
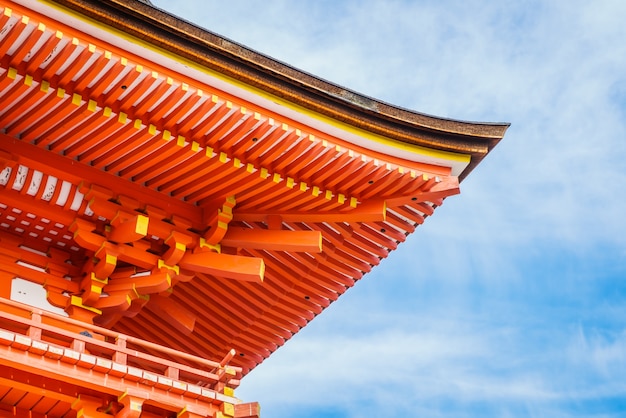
(174, 206)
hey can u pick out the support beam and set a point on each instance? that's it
(278, 240)
(374, 211)
(173, 313)
(229, 266)
(129, 230)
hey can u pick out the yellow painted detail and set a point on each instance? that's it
(25, 20)
(96, 289)
(167, 135)
(353, 202)
(103, 282)
(152, 129)
(290, 182)
(228, 409)
(161, 264)
(217, 247)
(250, 168)
(328, 195)
(262, 270)
(184, 87)
(28, 80)
(45, 86)
(8, 11)
(209, 152)
(77, 301)
(107, 55)
(223, 157)
(263, 173)
(12, 73)
(303, 186)
(194, 145)
(142, 225)
(122, 117)
(77, 99)
(60, 92)
(107, 111)
(341, 198)
(169, 81)
(285, 127)
(229, 391)
(41, 27)
(316, 191)
(92, 106)
(75, 41)
(91, 48)
(276, 178)
(124, 61)
(237, 163)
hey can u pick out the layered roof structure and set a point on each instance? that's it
(167, 183)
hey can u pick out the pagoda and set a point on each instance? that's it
(174, 206)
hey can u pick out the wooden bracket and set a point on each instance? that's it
(218, 221)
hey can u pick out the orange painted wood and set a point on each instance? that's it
(306, 241)
(172, 312)
(225, 265)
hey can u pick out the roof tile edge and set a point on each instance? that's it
(206, 48)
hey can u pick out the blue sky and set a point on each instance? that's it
(511, 300)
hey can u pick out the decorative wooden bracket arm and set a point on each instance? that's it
(132, 406)
(218, 221)
(128, 230)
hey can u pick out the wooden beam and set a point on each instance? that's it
(277, 240)
(225, 265)
(375, 211)
(173, 313)
(129, 230)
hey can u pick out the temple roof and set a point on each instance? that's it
(171, 184)
(230, 58)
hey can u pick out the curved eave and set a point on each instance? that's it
(217, 53)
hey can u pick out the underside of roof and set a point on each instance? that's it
(168, 183)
